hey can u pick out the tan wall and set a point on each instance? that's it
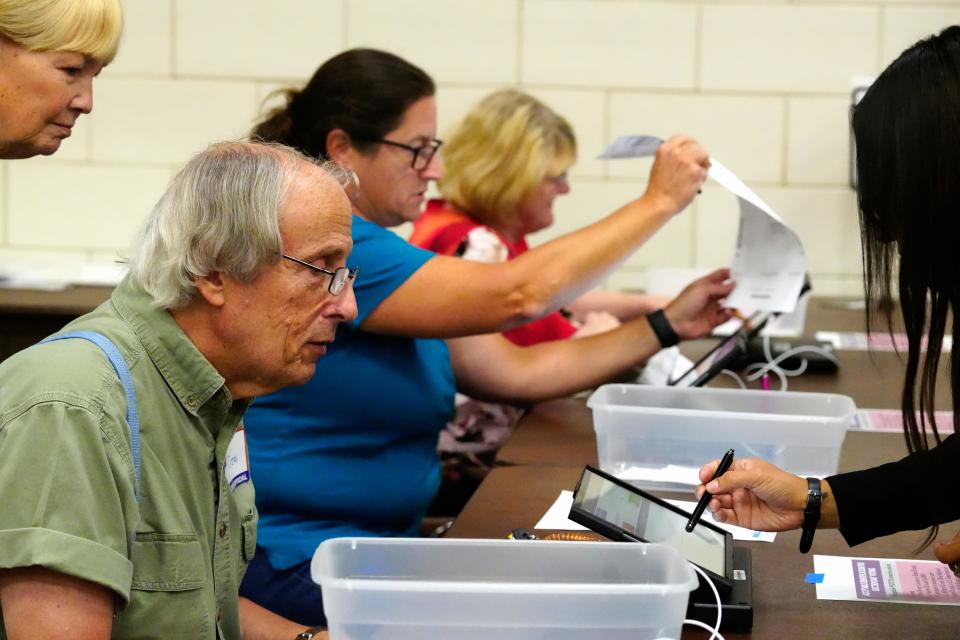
(764, 84)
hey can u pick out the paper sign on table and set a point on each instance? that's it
(885, 580)
(892, 420)
(860, 341)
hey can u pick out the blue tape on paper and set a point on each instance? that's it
(813, 578)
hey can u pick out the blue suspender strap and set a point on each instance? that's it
(123, 372)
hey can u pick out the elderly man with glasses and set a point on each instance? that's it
(128, 509)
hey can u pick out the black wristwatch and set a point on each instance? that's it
(309, 633)
(661, 326)
(811, 513)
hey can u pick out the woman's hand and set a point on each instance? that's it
(680, 167)
(755, 494)
(949, 553)
(696, 311)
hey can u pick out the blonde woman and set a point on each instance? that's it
(503, 168)
(50, 51)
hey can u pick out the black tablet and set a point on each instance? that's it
(730, 350)
(620, 511)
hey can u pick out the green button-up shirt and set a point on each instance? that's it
(67, 499)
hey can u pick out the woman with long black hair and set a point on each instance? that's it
(907, 130)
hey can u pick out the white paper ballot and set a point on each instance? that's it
(556, 518)
(768, 261)
(631, 147)
(671, 476)
(556, 515)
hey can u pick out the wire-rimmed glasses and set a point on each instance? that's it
(339, 278)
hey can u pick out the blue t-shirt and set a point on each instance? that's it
(353, 452)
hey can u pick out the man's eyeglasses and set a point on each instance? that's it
(422, 155)
(340, 277)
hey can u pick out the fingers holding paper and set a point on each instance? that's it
(697, 310)
(678, 171)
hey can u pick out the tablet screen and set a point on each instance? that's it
(650, 521)
(729, 350)
(724, 350)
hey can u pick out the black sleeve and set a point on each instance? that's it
(913, 493)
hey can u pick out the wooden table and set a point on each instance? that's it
(555, 439)
(785, 607)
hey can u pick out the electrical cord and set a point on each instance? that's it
(715, 630)
(704, 625)
(757, 370)
(733, 375)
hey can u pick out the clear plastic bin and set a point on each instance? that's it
(425, 589)
(651, 427)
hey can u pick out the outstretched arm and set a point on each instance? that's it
(758, 495)
(449, 297)
(624, 306)
(492, 368)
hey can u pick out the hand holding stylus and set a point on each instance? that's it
(705, 498)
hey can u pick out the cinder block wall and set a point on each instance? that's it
(763, 84)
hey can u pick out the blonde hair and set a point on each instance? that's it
(90, 27)
(501, 152)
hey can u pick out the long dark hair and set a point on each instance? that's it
(364, 92)
(907, 130)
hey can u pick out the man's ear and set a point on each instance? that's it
(340, 147)
(210, 288)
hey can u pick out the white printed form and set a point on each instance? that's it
(768, 261)
(884, 580)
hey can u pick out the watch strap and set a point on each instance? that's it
(661, 327)
(309, 633)
(811, 513)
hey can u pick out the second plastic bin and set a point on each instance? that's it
(652, 427)
(425, 589)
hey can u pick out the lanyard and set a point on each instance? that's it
(123, 372)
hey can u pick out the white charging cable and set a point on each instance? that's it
(774, 363)
(757, 370)
(715, 630)
(738, 379)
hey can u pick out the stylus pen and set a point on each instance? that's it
(725, 463)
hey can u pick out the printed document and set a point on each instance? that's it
(768, 261)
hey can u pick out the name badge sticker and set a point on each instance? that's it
(236, 468)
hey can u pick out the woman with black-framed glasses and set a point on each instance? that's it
(353, 452)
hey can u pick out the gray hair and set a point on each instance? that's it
(220, 213)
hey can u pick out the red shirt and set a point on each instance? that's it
(445, 230)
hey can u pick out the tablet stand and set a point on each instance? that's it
(737, 603)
